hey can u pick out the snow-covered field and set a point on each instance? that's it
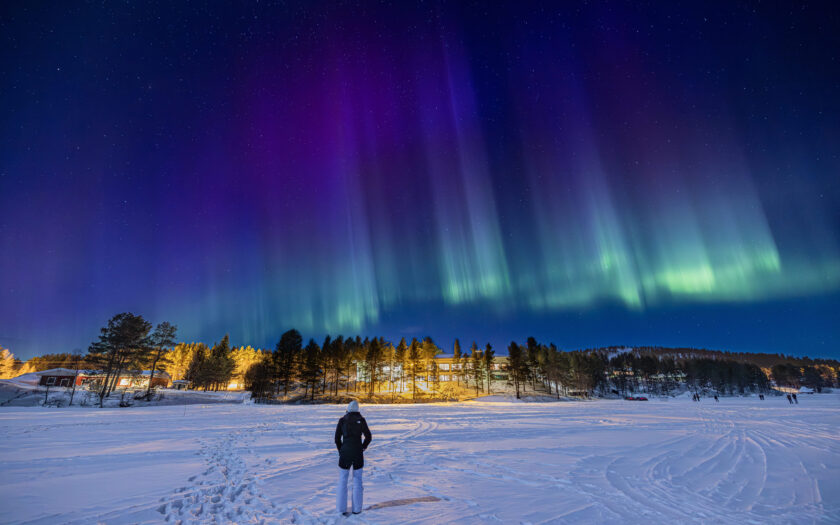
(737, 461)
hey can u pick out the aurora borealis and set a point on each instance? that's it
(607, 173)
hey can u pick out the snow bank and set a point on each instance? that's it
(32, 379)
(14, 392)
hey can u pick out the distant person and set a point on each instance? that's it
(794, 398)
(716, 399)
(761, 397)
(348, 440)
(790, 400)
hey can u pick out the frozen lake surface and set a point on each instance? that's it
(737, 461)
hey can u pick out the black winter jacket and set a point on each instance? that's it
(348, 440)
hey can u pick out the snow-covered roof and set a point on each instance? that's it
(806, 390)
(69, 372)
(57, 372)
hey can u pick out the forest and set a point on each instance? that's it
(407, 371)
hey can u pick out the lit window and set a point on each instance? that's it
(444, 366)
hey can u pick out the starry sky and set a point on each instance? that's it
(588, 173)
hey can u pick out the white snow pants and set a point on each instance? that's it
(358, 490)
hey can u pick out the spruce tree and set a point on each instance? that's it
(197, 370)
(220, 364)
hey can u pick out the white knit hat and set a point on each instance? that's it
(353, 406)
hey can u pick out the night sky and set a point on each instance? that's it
(589, 174)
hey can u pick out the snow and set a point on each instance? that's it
(19, 392)
(57, 372)
(25, 380)
(740, 460)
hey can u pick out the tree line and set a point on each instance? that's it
(368, 366)
(373, 366)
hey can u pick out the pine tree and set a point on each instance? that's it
(162, 338)
(489, 357)
(373, 363)
(456, 361)
(428, 351)
(434, 371)
(286, 356)
(477, 367)
(327, 358)
(413, 360)
(400, 357)
(531, 362)
(340, 359)
(311, 369)
(390, 357)
(359, 353)
(515, 365)
(258, 378)
(123, 343)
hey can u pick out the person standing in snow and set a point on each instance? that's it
(789, 399)
(794, 398)
(348, 440)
